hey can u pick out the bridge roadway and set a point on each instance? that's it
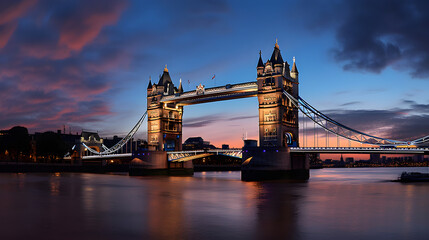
(229, 91)
(321, 150)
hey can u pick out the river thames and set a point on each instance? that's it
(359, 203)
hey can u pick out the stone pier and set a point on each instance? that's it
(149, 163)
(273, 163)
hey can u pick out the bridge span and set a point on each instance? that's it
(180, 156)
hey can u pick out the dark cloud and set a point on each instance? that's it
(200, 121)
(210, 119)
(242, 117)
(373, 35)
(408, 102)
(398, 124)
(350, 103)
(420, 108)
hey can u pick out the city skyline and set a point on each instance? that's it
(87, 65)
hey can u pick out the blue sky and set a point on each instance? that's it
(86, 65)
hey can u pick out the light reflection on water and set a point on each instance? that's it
(333, 204)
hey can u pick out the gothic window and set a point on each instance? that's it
(270, 117)
(269, 81)
(270, 135)
(171, 126)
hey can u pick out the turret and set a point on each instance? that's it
(165, 82)
(149, 87)
(276, 59)
(180, 90)
(286, 69)
(260, 67)
(294, 72)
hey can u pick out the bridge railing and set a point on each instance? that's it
(175, 155)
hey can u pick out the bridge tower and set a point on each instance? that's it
(278, 118)
(164, 120)
(278, 125)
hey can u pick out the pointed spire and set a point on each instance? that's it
(164, 78)
(180, 86)
(260, 62)
(150, 83)
(294, 68)
(276, 57)
(287, 66)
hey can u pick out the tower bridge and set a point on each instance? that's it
(279, 154)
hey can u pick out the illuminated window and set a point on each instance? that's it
(270, 117)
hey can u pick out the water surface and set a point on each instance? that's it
(334, 204)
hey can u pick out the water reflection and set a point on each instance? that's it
(277, 213)
(334, 204)
(55, 181)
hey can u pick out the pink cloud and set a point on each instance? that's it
(59, 115)
(5, 33)
(45, 51)
(83, 27)
(11, 11)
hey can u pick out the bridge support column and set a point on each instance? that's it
(149, 163)
(272, 163)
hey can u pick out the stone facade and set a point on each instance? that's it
(164, 120)
(278, 118)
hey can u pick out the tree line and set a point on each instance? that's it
(17, 145)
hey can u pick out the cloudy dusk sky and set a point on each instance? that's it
(86, 64)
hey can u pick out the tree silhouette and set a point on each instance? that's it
(18, 143)
(50, 146)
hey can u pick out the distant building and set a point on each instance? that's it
(418, 158)
(92, 140)
(111, 142)
(250, 143)
(225, 146)
(349, 160)
(196, 143)
(374, 158)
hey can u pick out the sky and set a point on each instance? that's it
(86, 64)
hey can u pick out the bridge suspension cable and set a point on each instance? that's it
(121, 143)
(341, 130)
